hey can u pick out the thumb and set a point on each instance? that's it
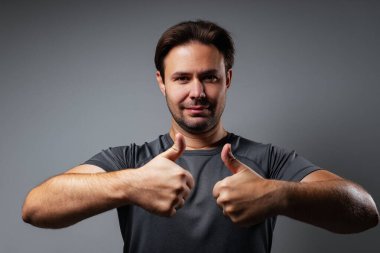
(230, 161)
(177, 149)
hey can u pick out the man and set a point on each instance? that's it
(199, 188)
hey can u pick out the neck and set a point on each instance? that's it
(206, 140)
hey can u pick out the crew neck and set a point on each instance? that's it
(216, 150)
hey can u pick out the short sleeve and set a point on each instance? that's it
(111, 159)
(288, 165)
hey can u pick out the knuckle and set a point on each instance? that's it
(224, 184)
(236, 220)
(226, 196)
(191, 183)
(169, 213)
(181, 173)
(185, 193)
(165, 208)
(179, 188)
(215, 193)
(185, 175)
(174, 202)
(172, 212)
(222, 201)
(217, 189)
(229, 209)
(180, 204)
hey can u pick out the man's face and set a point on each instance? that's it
(195, 86)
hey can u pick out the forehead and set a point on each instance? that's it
(193, 57)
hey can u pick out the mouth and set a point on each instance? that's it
(196, 109)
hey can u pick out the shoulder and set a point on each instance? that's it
(138, 154)
(129, 156)
(244, 147)
(248, 148)
(262, 155)
(272, 161)
(252, 153)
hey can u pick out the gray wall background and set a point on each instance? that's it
(78, 76)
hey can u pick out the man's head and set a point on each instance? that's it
(205, 32)
(194, 61)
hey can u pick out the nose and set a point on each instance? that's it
(197, 90)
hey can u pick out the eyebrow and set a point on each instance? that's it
(209, 72)
(180, 73)
(203, 73)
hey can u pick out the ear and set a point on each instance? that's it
(228, 78)
(160, 83)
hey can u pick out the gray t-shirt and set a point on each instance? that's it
(200, 225)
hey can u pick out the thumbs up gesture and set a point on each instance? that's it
(246, 197)
(161, 186)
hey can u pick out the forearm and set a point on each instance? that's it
(68, 198)
(336, 205)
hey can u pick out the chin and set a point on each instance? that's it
(196, 128)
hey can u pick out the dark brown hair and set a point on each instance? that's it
(202, 31)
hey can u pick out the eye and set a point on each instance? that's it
(210, 79)
(182, 79)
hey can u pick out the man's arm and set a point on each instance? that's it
(328, 201)
(321, 198)
(160, 187)
(79, 193)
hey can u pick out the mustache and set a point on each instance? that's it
(198, 102)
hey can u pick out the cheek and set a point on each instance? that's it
(176, 95)
(214, 94)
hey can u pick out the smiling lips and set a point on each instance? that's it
(197, 109)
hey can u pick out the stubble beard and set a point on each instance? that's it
(195, 127)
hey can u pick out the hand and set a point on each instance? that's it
(245, 197)
(161, 185)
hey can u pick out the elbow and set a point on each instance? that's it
(31, 213)
(373, 215)
(30, 209)
(358, 213)
(36, 215)
(28, 213)
(370, 215)
(355, 225)
(25, 215)
(365, 214)
(370, 220)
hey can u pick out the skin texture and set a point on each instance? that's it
(195, 88)
(163, 186)
(195, 79)
(87, 190)
(322, 199)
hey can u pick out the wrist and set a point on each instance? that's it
(284, 191)
(127, 190)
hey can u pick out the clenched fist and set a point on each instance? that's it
(246, 197)
(161, 186)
